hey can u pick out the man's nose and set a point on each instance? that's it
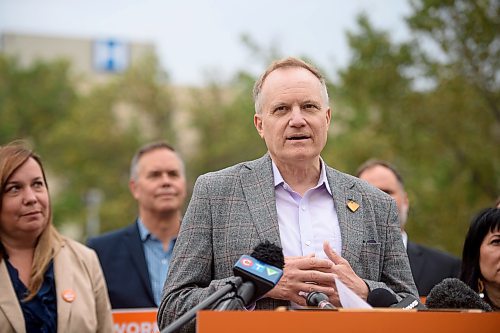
(296, 117)
(165, 178)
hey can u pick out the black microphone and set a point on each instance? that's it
(410, 302)
(253, 278)
(452, 293)
(383, 298)
(260, 272)
(319, 300)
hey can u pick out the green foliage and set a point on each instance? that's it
(33, 99)
(444, 137)
(429, 105)
(223, 120)
(87, 142)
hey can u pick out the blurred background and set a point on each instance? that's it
(415, 82)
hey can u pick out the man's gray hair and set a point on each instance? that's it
(289, 62)
(146, 149)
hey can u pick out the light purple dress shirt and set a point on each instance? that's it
(305, 222)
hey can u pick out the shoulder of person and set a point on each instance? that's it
(356, 184)
(234, 170)
(78, 249)
(436, 253)
(110, 236)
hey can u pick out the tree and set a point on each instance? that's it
(443, 136)
(223, 116)
(33, 99)
(97, 141)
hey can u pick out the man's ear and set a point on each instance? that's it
(132, 186)
(257, 121)
(328, 116)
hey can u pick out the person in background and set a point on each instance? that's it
(48, 282)
(428, 266)
(329, 224)
(481, 256)
(136, 259)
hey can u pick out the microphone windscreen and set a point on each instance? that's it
(452, 293)
(381, 298)
(270, 254)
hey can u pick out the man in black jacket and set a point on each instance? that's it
(429, 266)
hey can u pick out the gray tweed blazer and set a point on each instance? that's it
(233, 210)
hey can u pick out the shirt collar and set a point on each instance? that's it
(404, 235)
(144, 233)
(278, 179)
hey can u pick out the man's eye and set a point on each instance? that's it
(310, 106)
(280, 108)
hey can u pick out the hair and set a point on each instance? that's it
(485, 221)
(146, 149)
(12, 157)
(374, 162)
(289, 62)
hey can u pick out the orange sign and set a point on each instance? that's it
(135, 321)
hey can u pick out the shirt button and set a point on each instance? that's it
(308, 243)
(304, 208)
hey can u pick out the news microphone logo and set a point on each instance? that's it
(263, 271)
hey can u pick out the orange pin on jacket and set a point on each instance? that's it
(82, 297)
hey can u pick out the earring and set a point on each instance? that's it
(480, 288)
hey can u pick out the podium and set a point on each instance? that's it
(355, 321)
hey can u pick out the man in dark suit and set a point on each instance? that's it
(329, 224)
(135, 260)
(428, 266)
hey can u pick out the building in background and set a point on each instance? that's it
(96, 59)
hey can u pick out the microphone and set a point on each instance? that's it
(319, 300)
(383, 298)
(452, 293)
(410, 302)
(254, 276)
(260, 272)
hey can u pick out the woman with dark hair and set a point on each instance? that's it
(48, 283)
(481, 256)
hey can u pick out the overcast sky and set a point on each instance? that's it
(196, 37)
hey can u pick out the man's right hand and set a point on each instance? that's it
(305, 274)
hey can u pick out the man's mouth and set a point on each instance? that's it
(298, 137)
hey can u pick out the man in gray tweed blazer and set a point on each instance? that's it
(328, 223)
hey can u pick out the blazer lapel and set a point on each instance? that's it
(8, 301)
(134, 247)
(64, 284)
(258, 188)
(351, 223)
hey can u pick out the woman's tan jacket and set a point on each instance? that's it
(82, 296)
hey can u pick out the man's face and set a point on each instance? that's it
(294, 117)
(160, 185)
(385, 180)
